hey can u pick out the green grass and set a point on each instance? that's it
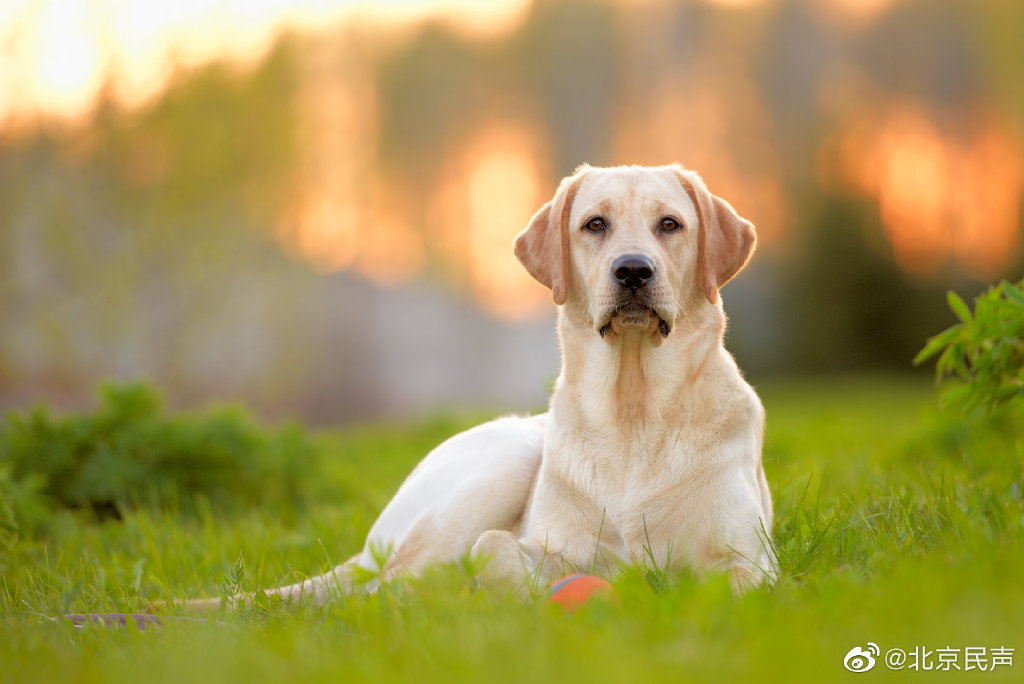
(895, 524)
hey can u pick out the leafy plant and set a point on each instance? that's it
(128, 454)
(985, 350)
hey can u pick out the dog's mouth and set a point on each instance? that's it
(634, 316)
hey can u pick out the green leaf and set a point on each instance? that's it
(960, 396)
(1008, 392)
(946, 363)
(1013, 293)
(959, 307)
(936, 343)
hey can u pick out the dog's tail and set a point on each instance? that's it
(335, 583)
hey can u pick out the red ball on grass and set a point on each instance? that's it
(572, 591)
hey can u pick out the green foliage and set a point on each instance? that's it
(8, 522)
(985, 350)
(128, 453)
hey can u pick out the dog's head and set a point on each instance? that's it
(633, 246)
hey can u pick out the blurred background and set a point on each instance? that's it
(308, 206)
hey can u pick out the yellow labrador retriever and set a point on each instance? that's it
(651, 449)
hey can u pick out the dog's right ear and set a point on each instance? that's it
(543, 248)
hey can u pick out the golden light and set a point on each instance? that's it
(342, 215)
(504, 191)
(692, 119)
(985, 199)
(861, 11)
(59, 55)
(911, 172)
(64, 62)
(942, 199)
(735, 3)
(489, 191)
(323, 232)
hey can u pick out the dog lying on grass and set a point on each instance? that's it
(651, 448)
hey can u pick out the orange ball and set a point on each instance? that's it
(572, 591)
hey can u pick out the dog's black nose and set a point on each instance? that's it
(633, 270)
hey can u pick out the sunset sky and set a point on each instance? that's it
(56, 55)
(940, 197)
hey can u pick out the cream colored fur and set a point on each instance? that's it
(651, 449)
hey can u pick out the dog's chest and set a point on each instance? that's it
(642, 490)
(621, 472)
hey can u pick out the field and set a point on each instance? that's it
(896, 523)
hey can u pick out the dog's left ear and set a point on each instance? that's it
(543, 248)
(725, 240)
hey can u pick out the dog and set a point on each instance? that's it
(650, 451)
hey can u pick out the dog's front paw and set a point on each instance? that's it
(744, 576)
(506, 564)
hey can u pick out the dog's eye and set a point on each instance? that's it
(595, 225)
(668, 224)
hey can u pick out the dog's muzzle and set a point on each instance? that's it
(634, 309)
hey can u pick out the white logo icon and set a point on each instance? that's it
(861, 660)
